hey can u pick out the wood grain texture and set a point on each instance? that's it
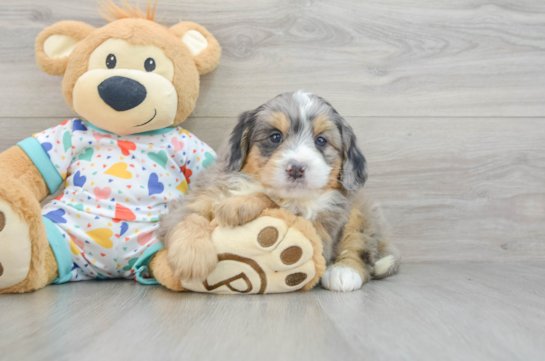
(453, 189)
(428, 312)
(370, 58)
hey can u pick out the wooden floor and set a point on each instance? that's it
(470, 311)
(448, 102)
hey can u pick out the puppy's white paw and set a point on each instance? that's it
(383, 267)
(341, 279)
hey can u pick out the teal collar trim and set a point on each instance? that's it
(141, 265)
(151, 132)
(60, 250)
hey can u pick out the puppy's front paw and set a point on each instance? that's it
(191, 253)
(341, 279)
(238, 210)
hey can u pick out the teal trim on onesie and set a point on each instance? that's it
(141, 265)
(60, 250)
(37, 154)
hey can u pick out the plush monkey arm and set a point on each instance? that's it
(16, 165)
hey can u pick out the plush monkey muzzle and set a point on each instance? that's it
(125, 101)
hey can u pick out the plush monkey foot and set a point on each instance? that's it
(15, 250)
(26, 260)
(275, 253)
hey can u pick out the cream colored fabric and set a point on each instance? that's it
(58, 46)
(157, 111)
(195, 41)
(131, 57)
(246, 266)
(15, 249)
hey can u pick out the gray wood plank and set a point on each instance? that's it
(369, 58)
(454, 189)
(467, 311)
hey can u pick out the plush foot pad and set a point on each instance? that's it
(267, 255)
(15, 251)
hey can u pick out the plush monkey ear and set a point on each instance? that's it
(55, 44)
(204, 48)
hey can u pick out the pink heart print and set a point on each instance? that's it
(98, 137)
(144, 238)
(103, 193)
(177, 144)
(77, 242)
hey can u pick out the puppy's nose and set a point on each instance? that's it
(122, 93)
(296, 170)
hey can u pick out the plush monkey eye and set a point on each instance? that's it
(320, 141)
(149, 64)
(275, 138)
(111, 61)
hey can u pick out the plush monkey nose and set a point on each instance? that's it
(296, 170)
(122, 93)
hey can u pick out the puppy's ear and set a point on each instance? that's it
(239, 142)
(354, 171)
(55, 44)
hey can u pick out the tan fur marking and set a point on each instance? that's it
(203, 206)
(191, 253)
(334, 176)
(239, 210)
(322, 123)
(269, 169)
(352, 245)
(253, 163)
(280, 121)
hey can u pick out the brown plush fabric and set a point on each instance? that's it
(112, 12)
(160, 270)
(17, 166)
(74, 29)
(140, 32)
(43, 267)
(209, 58)
(135, 32)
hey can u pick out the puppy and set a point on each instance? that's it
(297, 153)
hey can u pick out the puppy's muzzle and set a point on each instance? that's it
(295, 170)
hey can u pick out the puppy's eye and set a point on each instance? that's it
(320, 141)
(275, 138)
(149, 64)
(111, 61)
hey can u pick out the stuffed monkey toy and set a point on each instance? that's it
(132, 83)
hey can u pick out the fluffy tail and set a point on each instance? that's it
(388, 263)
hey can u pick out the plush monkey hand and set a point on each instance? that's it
(275, 253)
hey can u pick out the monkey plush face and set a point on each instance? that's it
(132, 75)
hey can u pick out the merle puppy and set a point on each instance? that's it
(297, 153)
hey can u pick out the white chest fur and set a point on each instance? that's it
(309, 207)
(307, 204)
